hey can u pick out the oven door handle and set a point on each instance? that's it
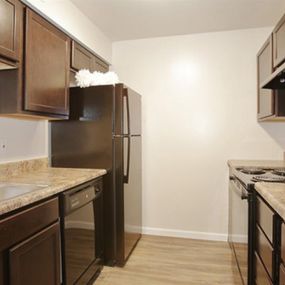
(241, 192)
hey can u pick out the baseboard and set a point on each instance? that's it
(132, 229)
(240, 238)
(159, 232)
(184, 234)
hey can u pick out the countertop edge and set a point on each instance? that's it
(274, 195)
(256, 163)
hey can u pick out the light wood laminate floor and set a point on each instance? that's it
(171, 261)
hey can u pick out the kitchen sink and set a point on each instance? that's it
(12, 190)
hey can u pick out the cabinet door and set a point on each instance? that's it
(47, 64)
(265, 98)
(264, 218)
(37, 260)
(81, 58)
(10, 28)
(279, 43)
(265, 251)
(100, 65)
(261, 276)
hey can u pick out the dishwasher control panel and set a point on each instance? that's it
(81, 195)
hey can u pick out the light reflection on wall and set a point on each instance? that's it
(185, 71)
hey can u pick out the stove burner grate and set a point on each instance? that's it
(279, 172)
(268, 179)
(252, 171)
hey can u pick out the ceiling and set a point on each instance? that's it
(134, 19)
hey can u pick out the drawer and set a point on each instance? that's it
(25, 223)
(265, 251)
(264, 217)
(282, 274)
(261, 276)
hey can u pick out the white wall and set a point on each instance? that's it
(199, 110)
(23, 139)
(70, 18)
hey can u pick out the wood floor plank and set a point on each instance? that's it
(171, 261)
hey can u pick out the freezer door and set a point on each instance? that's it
(131, 112)
(132, 193)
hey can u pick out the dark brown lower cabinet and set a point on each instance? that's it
(282, 254)
(261, 276)
(269, 245)
(30, 245)
(282, 275)
(266, 247)
(265, 251)
(36, 260)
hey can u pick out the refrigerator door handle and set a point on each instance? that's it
(126, 177)
(128, 111)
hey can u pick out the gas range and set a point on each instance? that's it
(248, 176)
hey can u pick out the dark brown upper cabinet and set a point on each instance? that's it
(270, 103)
(100, 65)
(11, 14)
(47, 67)
(38, 62)
(81, 58)
(279, 43)
(265, 98)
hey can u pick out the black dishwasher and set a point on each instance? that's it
(82, 233)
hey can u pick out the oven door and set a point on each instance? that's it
(238, 226)
(79, 242)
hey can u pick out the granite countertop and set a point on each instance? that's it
(274, 195)
(257, 163)
(37, 172)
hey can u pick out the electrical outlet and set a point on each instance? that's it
(3, 146)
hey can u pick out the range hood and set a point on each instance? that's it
(276, 80)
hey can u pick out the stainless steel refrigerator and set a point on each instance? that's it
(104, 131)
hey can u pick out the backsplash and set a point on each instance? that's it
(16, 168)
(23, 139)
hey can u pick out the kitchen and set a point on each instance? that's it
(197, 81)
